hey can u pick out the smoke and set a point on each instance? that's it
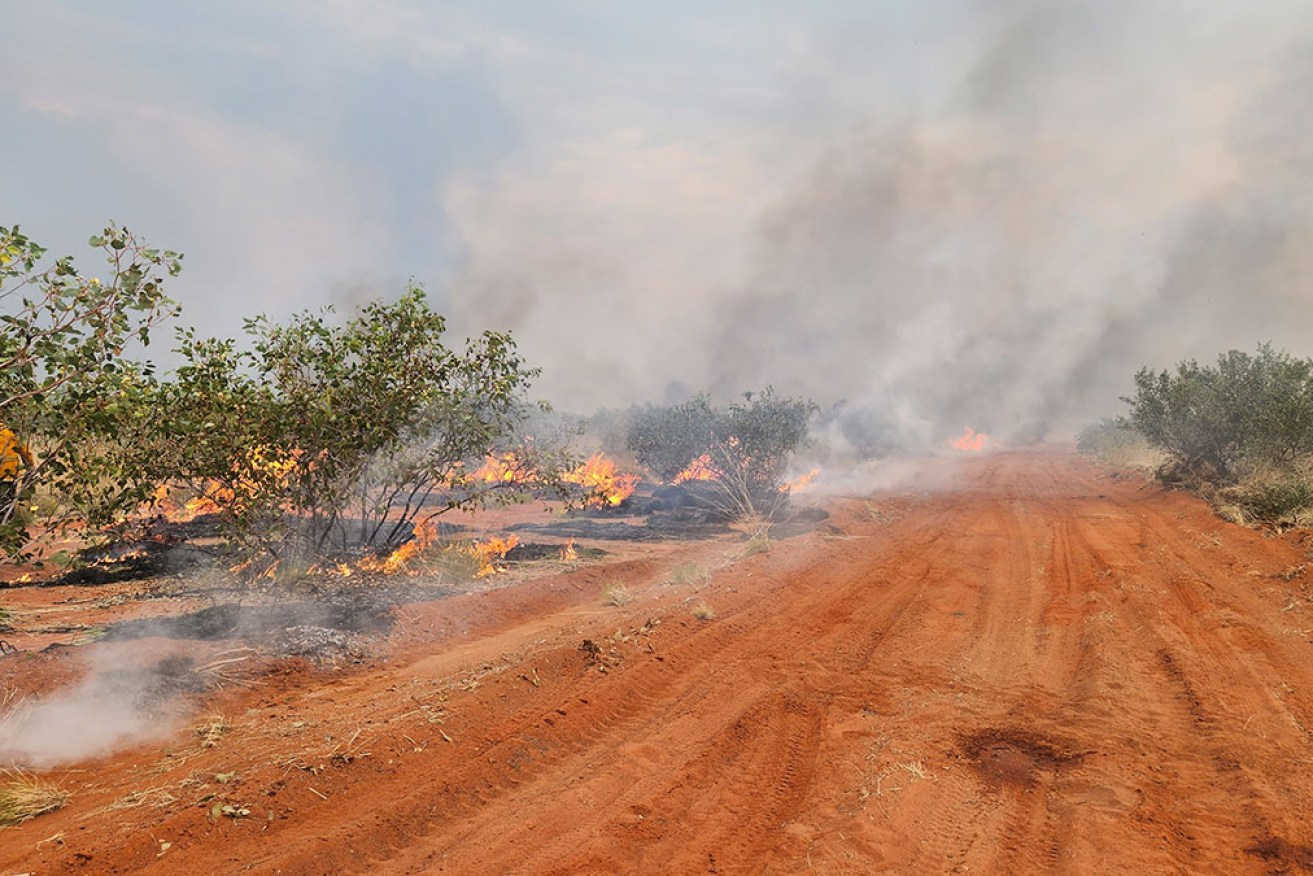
(995, 229)
(138, 684)
(126, 697)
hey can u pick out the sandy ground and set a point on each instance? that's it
(1044, 669)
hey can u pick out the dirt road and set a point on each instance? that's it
(1042, 669)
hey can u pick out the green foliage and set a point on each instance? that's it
(1214, 421)
(66, 386)
(755, 439)
(667, 439)
(747, 445)
(319, 437)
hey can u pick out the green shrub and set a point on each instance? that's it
(1215, 422)
(746, 446)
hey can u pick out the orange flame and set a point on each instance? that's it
(606, 488)
(795, 485)
(504, 468)
(568, 553)
(488, 552)
(700, 469)
(971, 440)
(162, 503)
(425, 535)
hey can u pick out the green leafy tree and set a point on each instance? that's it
(747, 446)
(67, 387)
(1216, 421)
(666, 439)
(318, 438)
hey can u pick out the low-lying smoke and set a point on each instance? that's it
(126, 697)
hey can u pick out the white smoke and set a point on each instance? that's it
(123, 699)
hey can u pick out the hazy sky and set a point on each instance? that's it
(956, 211)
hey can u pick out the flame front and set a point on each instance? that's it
(795, 485)
(971, 440)
(490, 551)
(700, 469)
(606, 488)
(425, 535)
(505, 468)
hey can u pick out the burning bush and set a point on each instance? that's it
(743, 449)
(323, 438)
(668, 439)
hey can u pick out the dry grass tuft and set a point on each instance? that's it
(212, 730)
(703, 612)
(23, 796)
(689, 574)
(616, 594)
(758, 543)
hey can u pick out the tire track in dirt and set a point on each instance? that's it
(1041, 670)
(630, 703)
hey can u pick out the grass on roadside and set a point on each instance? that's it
(617, 594)
(23, 796)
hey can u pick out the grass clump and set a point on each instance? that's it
(212, 730)
(1269, 500)
(703, 612)
(758, 543)
(689, 573)
(617, 594)
(23, 796)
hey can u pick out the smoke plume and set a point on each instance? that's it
(1072, 191)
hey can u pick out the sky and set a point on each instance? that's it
(946, 212)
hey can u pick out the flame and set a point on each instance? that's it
(700, 469)
(568, 553)
(504, 468)
(795, 485)
(488, 552)
(970, 440)
(606, 488)
(424, 536)
(212, 496)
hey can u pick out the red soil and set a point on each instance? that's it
(1044, 669)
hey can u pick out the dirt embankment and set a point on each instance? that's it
(1042, 670)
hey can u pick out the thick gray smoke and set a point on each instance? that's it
(1077, 190)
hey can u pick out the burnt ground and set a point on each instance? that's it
(1037, 669)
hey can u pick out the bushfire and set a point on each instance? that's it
(700, 469)
(971, 440)
(606, 487)
(505, 468)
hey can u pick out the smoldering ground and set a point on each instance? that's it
(127, 695)
(1007, 210)
(147, 677)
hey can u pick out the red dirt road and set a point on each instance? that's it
(1043, 669)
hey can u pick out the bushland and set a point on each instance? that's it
(320, 435)
(1239, 432)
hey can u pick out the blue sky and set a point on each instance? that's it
(869, 200)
